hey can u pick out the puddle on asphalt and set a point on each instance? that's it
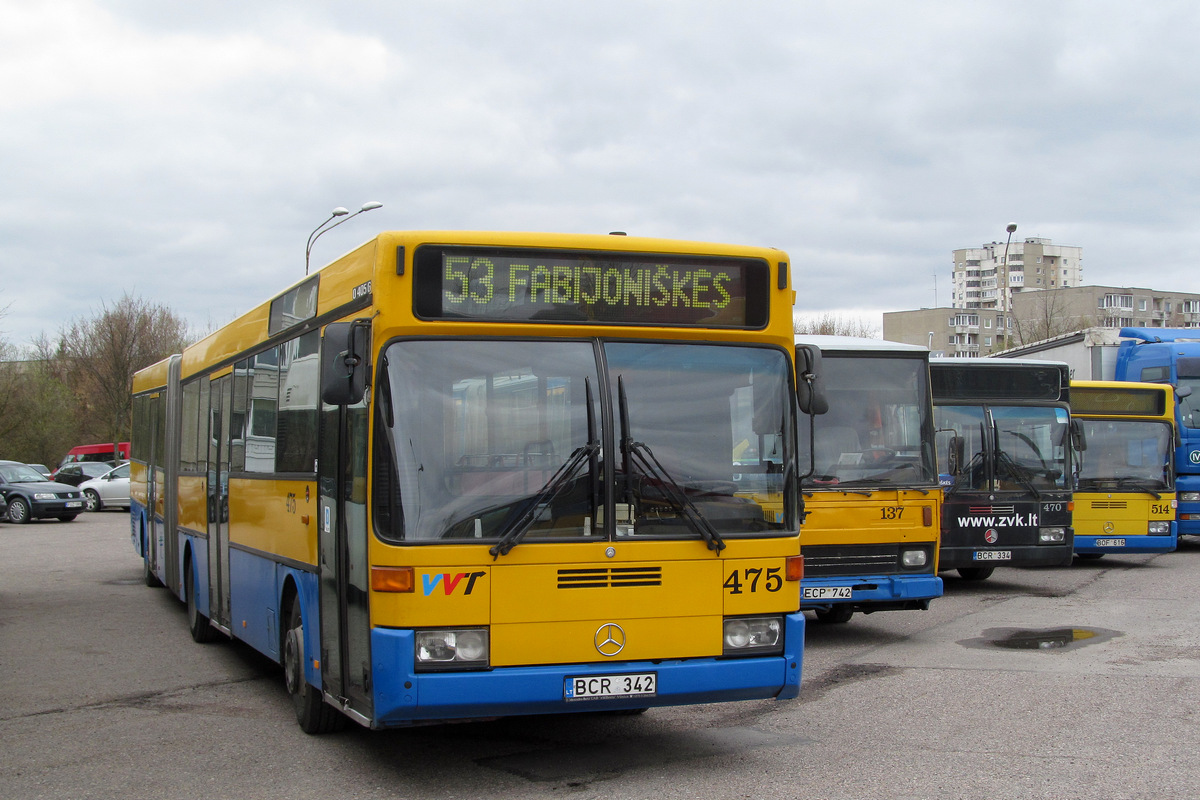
(1039, 638)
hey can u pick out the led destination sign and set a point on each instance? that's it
(1132, 401)
(521, 285)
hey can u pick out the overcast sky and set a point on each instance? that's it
(182, 152)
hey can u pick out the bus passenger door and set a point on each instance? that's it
(153, 465)
(344, 572)
(221, 399)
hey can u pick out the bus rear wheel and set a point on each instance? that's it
(312, 712)
(201, 629)
(976, 573)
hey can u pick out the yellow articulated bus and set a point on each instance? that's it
(1125, 478)
(462, 475)
(871, 493)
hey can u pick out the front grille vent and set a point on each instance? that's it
(827, 561)
(1109, 504)
(609, 577)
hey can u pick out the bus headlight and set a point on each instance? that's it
(452, 649)
(914, 558)
(746, 636)
(1189, 497)
(1159, 527)
(1052, 535)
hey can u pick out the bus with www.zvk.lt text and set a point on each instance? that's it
(1125, 478)
(1004, 445)
(461, 475)
(871, 495)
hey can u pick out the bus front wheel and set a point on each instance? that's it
(312, 712)
(838, 615)
(976, 573)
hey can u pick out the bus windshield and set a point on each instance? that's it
(1189, 407)
(872, 433)
(1125, 453)
(496, 438)
(1003, 447)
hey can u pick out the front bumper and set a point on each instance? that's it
(875, 592)
(403, 696)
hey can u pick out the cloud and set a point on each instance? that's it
(183, 153)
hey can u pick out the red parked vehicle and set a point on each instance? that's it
(95, 452)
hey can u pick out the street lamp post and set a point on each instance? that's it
(1005, 305)
(322, 229)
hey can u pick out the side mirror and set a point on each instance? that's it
(810, 392)
(955, 454)
(1182, 392)
(344, 350)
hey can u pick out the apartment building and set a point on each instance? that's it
(1032, 264)
(949, 332)
(959, 332)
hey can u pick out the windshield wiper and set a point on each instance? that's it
(640, 452)
(1019, 473)
(558, 482)
(1138, 483)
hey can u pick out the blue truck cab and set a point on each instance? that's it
(1172, 355)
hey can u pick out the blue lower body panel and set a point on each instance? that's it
(876, 592)
(1188, 512)
(1086, 545)
(403, 696)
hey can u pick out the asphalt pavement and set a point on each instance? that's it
(1073, 682)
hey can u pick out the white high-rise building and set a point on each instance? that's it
(1033, 264)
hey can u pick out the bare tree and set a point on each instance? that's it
(831, 324)
(99, 356)
(38, 415)
(10, 385)
(1048, 315)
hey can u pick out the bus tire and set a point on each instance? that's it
(838, 615)
(313, 714)
(198, 625)
(975, 573)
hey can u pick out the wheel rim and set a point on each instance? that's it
(17, 511)
(291, 661)
(92, 499)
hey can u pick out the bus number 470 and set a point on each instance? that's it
(750, 578)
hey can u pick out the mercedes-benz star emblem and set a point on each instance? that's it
(610, 639)
(1109, 527)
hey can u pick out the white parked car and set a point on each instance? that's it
(110, 490)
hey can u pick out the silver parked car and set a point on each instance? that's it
(110, 490)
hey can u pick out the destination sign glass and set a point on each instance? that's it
(528, 285)
(999, 381)
(1095, 400)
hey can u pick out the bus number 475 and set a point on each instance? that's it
(751, 578)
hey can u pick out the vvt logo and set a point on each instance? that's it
(450, 582)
